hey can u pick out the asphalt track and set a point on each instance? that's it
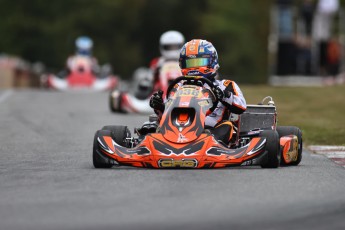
(47, 180)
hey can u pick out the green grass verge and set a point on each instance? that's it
(318, 111)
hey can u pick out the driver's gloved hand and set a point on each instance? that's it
(227, 94)
(156, 101)
(220, 94)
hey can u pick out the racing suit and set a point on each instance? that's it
(71, 65)
(92, 62)
(235, 103)
(155, 66)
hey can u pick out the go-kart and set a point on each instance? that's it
(80, 76)
(180, 139)
(136, 100)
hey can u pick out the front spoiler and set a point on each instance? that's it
(127, 102)
(104, 84)
(156, 152)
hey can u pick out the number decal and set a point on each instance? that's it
(188, 92)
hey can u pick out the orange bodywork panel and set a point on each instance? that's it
(156, 152)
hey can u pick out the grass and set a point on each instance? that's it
(318, 111)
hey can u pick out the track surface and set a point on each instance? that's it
(47, 180)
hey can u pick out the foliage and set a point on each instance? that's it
(239, 30)
(126, 32)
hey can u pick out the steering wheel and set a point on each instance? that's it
(191, 80)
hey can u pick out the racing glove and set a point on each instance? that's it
(220, 94)
(156, 101)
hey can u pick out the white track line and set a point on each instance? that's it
(324, 148)
(335, 153)
(5, 95)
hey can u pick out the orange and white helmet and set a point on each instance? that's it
(199, 58)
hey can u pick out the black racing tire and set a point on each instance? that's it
(292, 130)
(111, 103)
(272, 147)
(119, 133)
(98, 160)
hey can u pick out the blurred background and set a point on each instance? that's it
(258, 42)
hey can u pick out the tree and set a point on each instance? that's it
(126, 32)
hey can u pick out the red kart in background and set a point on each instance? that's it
(136, 98)
(81, 76)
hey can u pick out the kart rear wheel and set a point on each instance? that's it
(98, 160)
(119, 133)
(292, 130)
(272, 148)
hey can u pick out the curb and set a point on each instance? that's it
(334, 153)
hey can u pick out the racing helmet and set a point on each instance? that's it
(199, 58)
(170, 44)
(84, 45)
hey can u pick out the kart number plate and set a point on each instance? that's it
(188, 92)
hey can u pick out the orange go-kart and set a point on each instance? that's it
(180, 139)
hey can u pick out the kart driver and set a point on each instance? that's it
(84, 47)
(199, 58)
(170, 44)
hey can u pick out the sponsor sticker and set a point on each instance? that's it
(193, 72)
(203, 103)
(171, 163)
(181, 138)
(184, 104)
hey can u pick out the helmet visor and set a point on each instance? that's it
(84, 52)
(195, 62)
(172, 47)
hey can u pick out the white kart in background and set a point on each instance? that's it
(135, 98)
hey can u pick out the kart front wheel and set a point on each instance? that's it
(119, 133)
(272, 148)
(292, 130)
(99, 161)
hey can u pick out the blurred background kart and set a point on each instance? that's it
(136, 97)
(81, 75)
